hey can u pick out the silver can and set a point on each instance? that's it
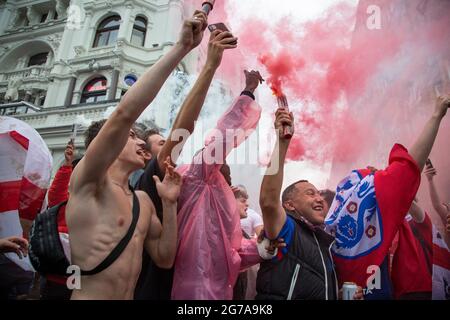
(349, 290)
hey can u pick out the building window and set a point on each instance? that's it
(130, 79)
(44, 17)
(10, 111)
(21, 110)
(94, 91)
(38, 59)
(139, 31)
(107, 32)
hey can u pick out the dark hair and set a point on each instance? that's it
(139, 130)
(92, 131)
(328, 196)
(150, 132)
(289, 191)
(95, 127)
(75, 162)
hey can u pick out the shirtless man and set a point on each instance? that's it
(99, 212)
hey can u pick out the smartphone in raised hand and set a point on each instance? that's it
(219, 26)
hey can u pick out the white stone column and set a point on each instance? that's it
(32, 15)
(70, 89)
(61, 9)
(112, 91)
(174, 20)
(86, 32)
(28, 95)
(75, 33)
(7, 13)
(76, 97)
(50, 15)
(127, 23)
(49, 61)
(22, 62)
(36, 99)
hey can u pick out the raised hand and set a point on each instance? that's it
(442, 105)
(283, 118)
(69, 153)
(430, 172)
(169, 188)
(14, 244)
(252, 80)
(192, 31)
(219, 41)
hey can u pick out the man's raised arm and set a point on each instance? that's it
(423, 145)
(274, 216)
(113, 136)
(190, 110)
(440, 208)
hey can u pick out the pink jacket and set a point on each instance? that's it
(211, 250)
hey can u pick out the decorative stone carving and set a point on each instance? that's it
(94, 65)
(109, 5)
(14, 20)
(61, 9)
(120, 43)
(116, 64)
(55, 41)
(12, 93)
(74, 17)
(32, 15)
(79, 50)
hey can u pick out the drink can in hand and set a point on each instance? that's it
(348, 290)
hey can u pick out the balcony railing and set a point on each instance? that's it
(62, 116)
(26, 73)
(18, 108)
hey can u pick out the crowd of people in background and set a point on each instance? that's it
(189, 232)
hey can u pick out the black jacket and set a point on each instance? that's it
(305, 272)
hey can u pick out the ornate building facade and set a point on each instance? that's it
(62, 59)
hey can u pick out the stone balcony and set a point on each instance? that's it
(30, 73)
(66, 117)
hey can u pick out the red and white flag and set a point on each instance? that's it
(25, 171)
(441, 267)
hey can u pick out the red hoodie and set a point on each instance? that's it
(59, 192)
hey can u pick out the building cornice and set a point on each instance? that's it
(31, 32)
(63, 116)
(111, 4)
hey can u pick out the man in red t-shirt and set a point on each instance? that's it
(421, 262)
(53, 287)
(413, 256)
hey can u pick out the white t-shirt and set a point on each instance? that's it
(252, 221)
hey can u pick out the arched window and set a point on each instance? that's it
(139, 31)
(107, 31)
(38, 59)
(94, 91)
